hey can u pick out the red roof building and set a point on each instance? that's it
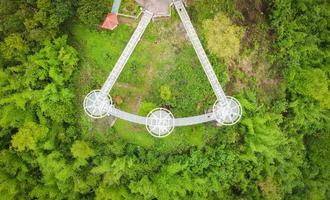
(110, 22)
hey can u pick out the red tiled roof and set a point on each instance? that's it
(110, 22)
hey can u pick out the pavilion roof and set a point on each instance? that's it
(110, 22)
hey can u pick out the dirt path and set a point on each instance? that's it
(146, 86)
(125, 85)
(150, 75)
(137, 104)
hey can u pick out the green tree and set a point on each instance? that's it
(92, 12)
(28, 136)
(302, 53)
(56, 180)
(16, 175)
(223, 37)
(48, 16)
(146, 107)
(11, 17)
(14, 48)
(81, 150)
(56, 61)
(312, 83)
(165, 93)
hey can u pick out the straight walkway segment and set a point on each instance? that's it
(111, 80)
(199, 50)
(115, 7)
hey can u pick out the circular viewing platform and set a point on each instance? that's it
(97, 105)
(160, 122)
(227, 112)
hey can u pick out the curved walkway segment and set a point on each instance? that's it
(187, 121)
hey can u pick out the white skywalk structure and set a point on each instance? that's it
(161, 122)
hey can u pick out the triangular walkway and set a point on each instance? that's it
(160, 122)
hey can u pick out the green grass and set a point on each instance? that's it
(101, 47)
(134, 133)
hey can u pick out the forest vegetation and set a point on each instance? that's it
(272, 55)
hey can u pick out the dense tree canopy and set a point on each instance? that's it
(280, 149)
